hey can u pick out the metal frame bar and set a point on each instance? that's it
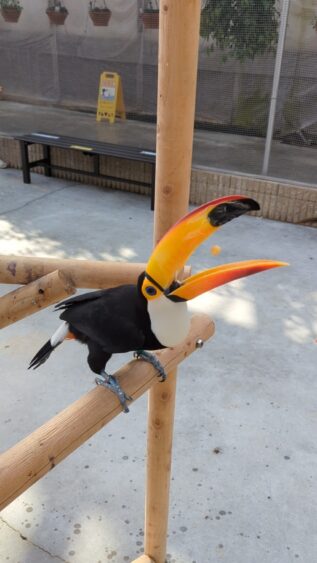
(275, 86)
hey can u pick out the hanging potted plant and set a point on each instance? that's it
(10, 10)
(99, 14)
(150, 14)
(56, 12)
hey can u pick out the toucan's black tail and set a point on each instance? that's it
(42, 355)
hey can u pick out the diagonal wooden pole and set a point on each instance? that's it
(34, 296)
(177, 72)
(27, 461)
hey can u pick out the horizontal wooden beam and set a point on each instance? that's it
(92, 274)
(27, 461)
(34, 296)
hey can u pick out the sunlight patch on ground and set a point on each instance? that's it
(297, 330)
(16, 242)
(31, 243)
(112, 257)
(232, 304)
(301, 326)
(126, 252)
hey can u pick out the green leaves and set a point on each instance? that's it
(242, 28)
(10, 4)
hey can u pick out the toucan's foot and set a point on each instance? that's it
(147, 357)
(111, 382)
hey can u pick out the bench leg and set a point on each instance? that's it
(153, 187)
(25, 162)
(96, 164)
(47, 158)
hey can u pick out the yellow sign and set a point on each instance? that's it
(110, 99)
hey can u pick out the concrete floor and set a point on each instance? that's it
(219, 151)
(249, 394)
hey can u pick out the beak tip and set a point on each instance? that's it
(231, 207)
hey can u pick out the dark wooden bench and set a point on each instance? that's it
(92, 148)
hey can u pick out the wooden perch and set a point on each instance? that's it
(27, 461)
(34, 296)
(92, 274)
(143, 559)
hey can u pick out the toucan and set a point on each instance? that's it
(151, 314)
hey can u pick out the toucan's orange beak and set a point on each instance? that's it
(220, 275)
(173, 250)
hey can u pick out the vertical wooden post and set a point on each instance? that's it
(178, 56)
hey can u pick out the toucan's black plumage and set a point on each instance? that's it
(153, 313)
(109, 321)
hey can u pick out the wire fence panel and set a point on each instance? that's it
(59, 62)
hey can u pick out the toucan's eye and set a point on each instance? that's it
(150, 290)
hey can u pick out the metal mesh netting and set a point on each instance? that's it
(61, 64)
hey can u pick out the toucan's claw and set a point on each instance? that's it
(147, 357)
(111, 382)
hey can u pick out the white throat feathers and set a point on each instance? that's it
(170, 320)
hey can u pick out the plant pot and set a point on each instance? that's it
(150, 19)
(100, 17)
(57, 18)
(10, 14)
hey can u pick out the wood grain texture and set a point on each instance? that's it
(34, 296)
(159, 461)
(143, 559)
(92, 274)
(177, 75)
(27, 461)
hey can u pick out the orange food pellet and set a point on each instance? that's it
(215, 250)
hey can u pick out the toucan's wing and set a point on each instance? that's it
(220, 275)
(111, 319)
(78, 299)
